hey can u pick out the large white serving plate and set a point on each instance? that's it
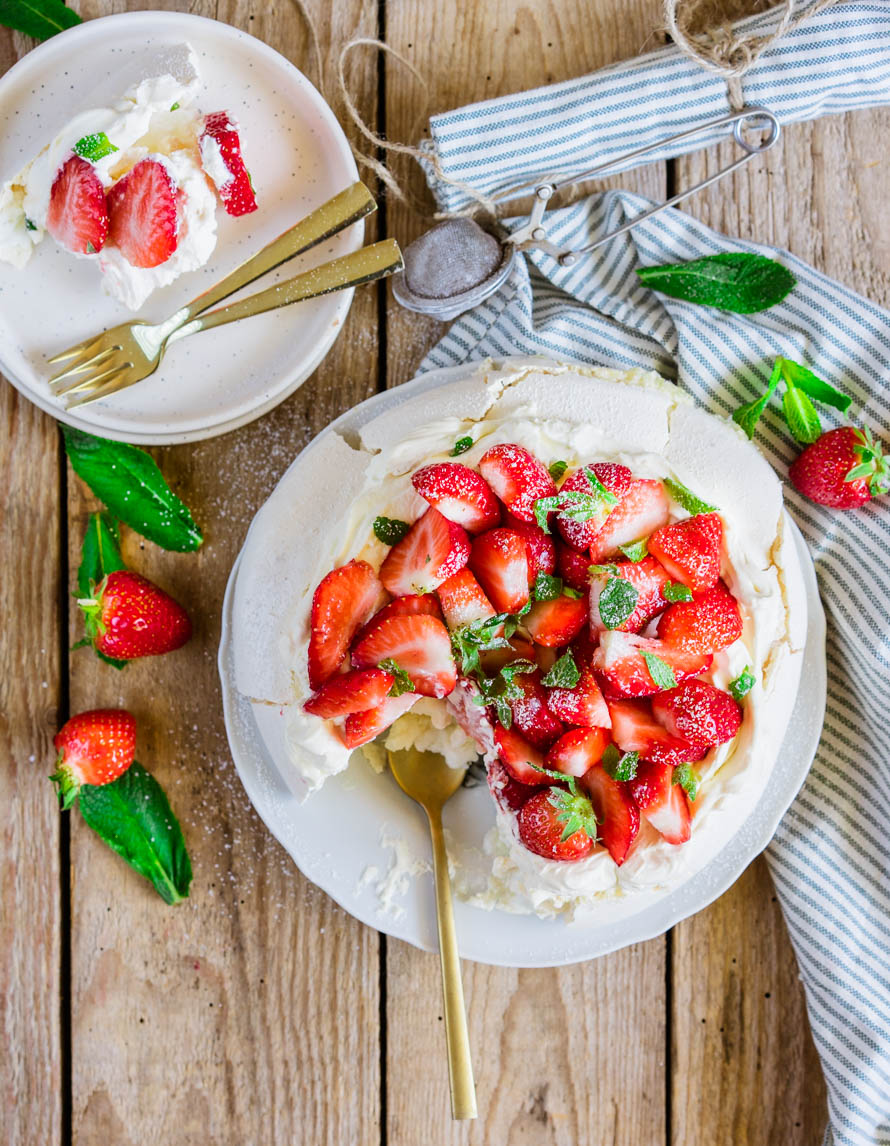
(339, 833)
(298, 157)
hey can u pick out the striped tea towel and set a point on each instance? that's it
(830, 858)
(835, 61)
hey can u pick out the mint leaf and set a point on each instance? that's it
(403, 682)
(557, 469)
(620, 766)
(94, 147)
(575, 504)
(461, 446)
(30, 225)
(748, 416)
(674, 591)
(617, 601)
(130, 484)
(38, 18)
(564, 673)
(174, 106)
(547, 587)
(801, 416)
(742, 684)
(814, 387)
(390, 530)
(132, 815)
(501, 689)
(477, 637)
(636, 551)
(662, 674)
(99, 555)
(684, 495)
(543, 507)
(687, 779)
(738, 281)
(602, 570)
(575, 594)
(599, 490)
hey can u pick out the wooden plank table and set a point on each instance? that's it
(259, 1012)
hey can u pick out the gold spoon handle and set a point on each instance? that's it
(460, 1065)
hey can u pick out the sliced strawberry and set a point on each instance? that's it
(691, 550)
(634, 729)
(463, 600)
(499, 560)
(709, 622)
(520, 648)
(541, 829)
(517, 477)
(531, 716)
(432, 550)
(520, 758)
(647, 577)
(573, 567)
(340, 605)
(360, 727)
(642, 509)
(236, 192)
(77, 216)
(403, 607)
(460, 494)
(662, 803)
(556, 622)
(616, 811)
(699, 712)
(582, 705)
(540, 548)
(143, 215)
(419, 644)
(617, 480)
(348, 692)
(622, 669)
(577, 751)
(509, 793)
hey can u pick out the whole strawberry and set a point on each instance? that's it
(94, 748)
(129, 617)
(842, 469)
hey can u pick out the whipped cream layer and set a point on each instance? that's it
(154, 118)
(578, 415)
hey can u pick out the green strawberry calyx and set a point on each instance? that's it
(575, 812)
(67, 783)
(873, 466)
(91, 607)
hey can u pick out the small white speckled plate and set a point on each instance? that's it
(340, 837)
(298, 157)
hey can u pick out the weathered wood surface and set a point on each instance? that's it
(259, 1012)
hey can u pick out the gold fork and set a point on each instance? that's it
(116, 358)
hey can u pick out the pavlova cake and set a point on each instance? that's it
(572, 574)
(133, 187)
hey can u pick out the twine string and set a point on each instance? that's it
(714, 46)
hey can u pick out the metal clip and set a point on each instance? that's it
(533, 236)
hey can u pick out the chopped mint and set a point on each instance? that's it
(576, 504)
(620, 766)
(685, 776)
(402, 683)
(687, 498)
(461, 446)
(662, 674)
(174, 106)
(499, 690)
(636, 551)
(94, 147)
(547, 587)
(564, 673)
(617, 601)
(557, 469)
(602, 570)
(30, 225)
(742, 684)
(575, 594)
(674, 591)
(479, 637)
(390, 530)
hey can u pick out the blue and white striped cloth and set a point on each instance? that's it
(830, 858)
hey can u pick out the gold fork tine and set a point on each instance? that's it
(115, 380)
(81, 348)
(59, 385)
(96, 380)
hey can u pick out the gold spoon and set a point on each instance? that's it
(426, 778)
